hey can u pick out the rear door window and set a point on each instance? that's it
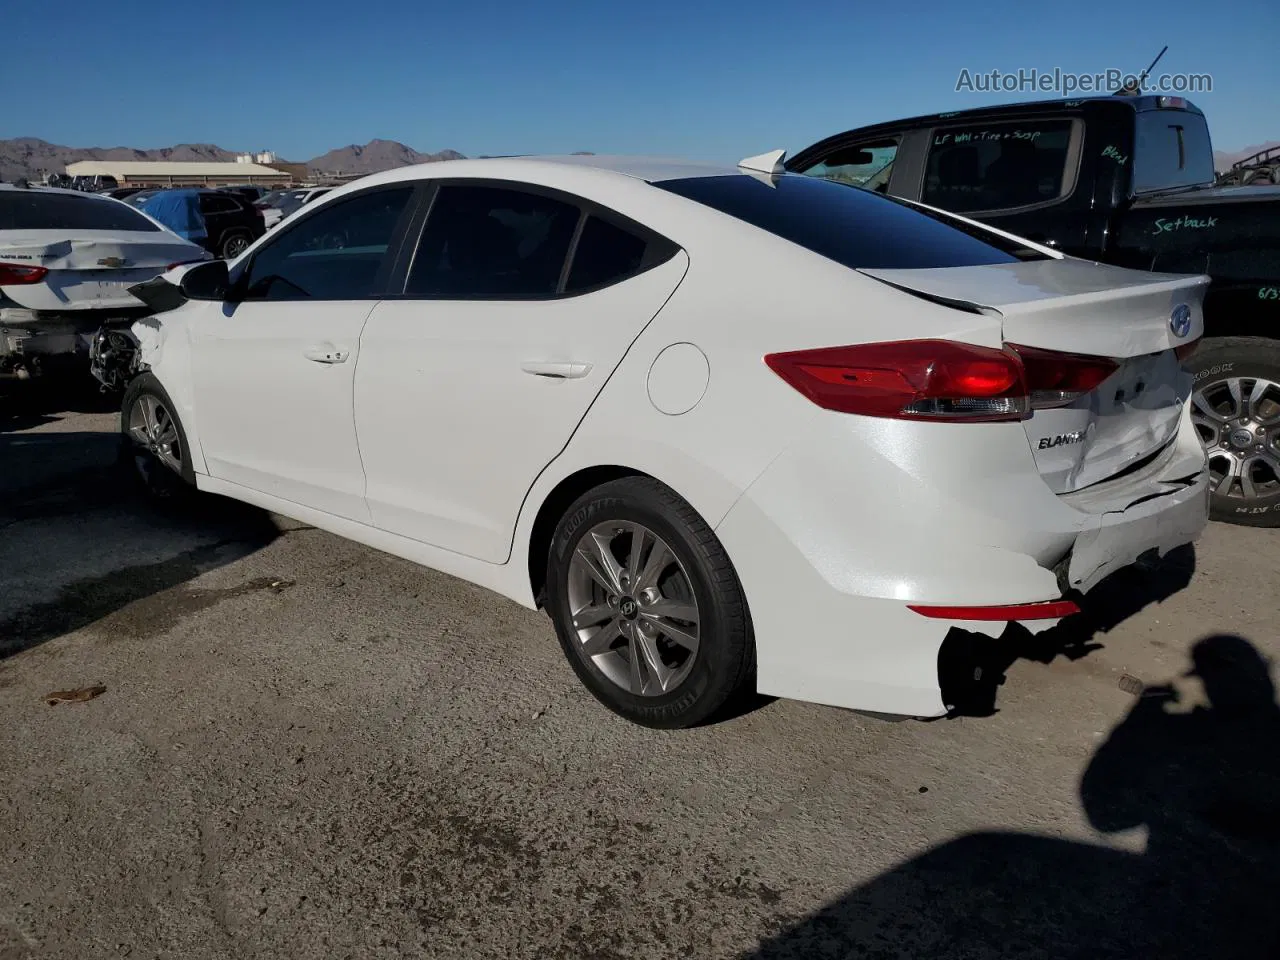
(998, 166)
(212, 203)
(492, 243)
(36, 210)
(852, 226)
(605, 254)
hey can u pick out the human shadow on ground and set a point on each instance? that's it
(1204, 782)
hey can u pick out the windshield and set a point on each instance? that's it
(36, 210)
(850, 225)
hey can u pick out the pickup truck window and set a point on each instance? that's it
(997, 166)
(1171, 149)
(863, 165)
(850, 225)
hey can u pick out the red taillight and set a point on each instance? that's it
(1048, 610)
(17, 274)
(1056, 379)
(910, 380)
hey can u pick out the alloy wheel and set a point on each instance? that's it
(1238, 421)
(633, 608)
(153, 430)
(235, 246)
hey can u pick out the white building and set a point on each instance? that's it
(181, 173)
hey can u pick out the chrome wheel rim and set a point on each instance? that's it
(633, 608)
(153, 429)
(1238, 421)
(236, 246)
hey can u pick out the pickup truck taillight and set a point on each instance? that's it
(17, 274)
(939, 379)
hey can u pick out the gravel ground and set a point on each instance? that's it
(308, 748)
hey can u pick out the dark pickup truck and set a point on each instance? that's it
(1122, 180)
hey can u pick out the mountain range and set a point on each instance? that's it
(1222, 160)
(29, 156)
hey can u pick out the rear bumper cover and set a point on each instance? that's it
(860, 518)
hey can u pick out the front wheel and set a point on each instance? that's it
(1236, 412)
(647, 606)
(153, 442)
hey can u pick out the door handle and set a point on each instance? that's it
(326, 353)
(557, 369)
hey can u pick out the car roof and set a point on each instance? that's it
(650, 169)
(1001, 111)
(41, 188)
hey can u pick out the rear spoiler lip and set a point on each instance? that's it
(968, 306)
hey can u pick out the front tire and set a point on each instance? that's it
(153, 443)
(648, 607)
(1236, 412)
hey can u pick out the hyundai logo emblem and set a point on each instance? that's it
(1180, 320)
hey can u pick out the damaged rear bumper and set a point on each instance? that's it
(834, 579)
(1162, 508)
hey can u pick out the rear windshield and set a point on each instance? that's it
(1172, 149)
(34, 210)
(852, 226)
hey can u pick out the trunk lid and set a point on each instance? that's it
(1079, 307)
(94, 269)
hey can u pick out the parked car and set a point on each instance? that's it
(123, 193)
(67, 260)
(230, 223)
(276, 206)
(727, 428)
(1127, 181)
(94, 184)
(251, 193)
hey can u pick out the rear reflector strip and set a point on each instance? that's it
(1049, 610)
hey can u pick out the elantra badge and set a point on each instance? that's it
(1180, 320)
(1048, 443)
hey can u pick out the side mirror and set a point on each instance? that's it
(208, 281)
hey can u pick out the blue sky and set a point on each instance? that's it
(502, 76)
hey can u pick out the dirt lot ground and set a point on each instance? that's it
(307, 748)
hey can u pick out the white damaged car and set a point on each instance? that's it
(731, 428)
(67, 260)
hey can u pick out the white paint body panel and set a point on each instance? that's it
(271, 419)
(435, 373)
(833, 522)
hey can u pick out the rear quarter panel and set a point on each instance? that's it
(746, 294)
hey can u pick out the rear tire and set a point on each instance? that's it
(234, 244)
(681, 613)
(153, 443)
(1236, 411)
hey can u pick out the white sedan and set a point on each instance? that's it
(67, 260)
(732, 429)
